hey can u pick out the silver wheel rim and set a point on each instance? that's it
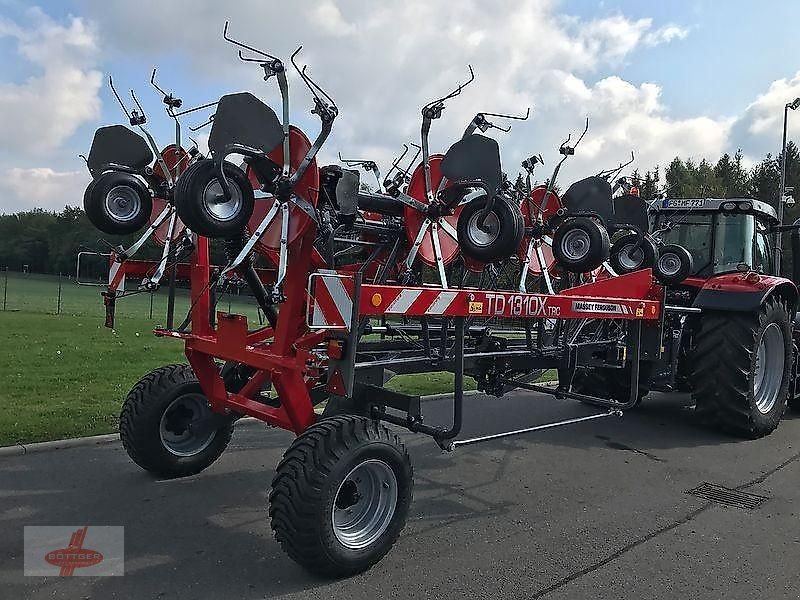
(768, 371)
(669, 264)
(364, 505)
(217, 206)
(187, 426)
(575, 244)
(123, 203)
(631, 258)
(486, 236)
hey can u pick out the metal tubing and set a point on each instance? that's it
(495, 436)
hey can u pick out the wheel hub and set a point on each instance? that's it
(483, 234)
(575, 244)
(768, 370)
(631, 257)
(365, 503)
(669, 264)
(123, 203)
(217, 205)
(187, 426)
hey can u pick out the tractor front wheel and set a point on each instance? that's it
(341, 495)
(741, 366)
(167, 427)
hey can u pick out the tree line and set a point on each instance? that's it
(48, 242)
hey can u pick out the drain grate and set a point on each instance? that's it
(723, 495)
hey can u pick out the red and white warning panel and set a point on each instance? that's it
(632, 296)
(116, 275)
(330, 300)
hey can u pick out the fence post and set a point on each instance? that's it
(58, 305)
(5, 290)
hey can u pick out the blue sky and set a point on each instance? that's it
(662, 78)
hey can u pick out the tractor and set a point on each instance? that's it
(729, 335)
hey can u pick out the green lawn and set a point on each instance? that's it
(66, 375)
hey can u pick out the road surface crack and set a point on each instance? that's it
(646, 538)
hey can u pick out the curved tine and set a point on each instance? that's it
(194, 141)
(310, 82)
(503, 129)
(566, 141)
(244, 58)
(116, 95)
(585, 129)
(196, 108)
(136, 100)
(155, 85)
(455, 92)
(86, 160)
(206, 124)
(227, 38)
(515, 117)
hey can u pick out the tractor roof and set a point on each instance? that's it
(725, 205)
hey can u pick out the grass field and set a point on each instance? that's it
(65, 375)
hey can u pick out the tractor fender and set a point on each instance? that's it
(744, 292)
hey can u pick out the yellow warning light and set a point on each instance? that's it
(376, 299)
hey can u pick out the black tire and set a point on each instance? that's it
(580, 245)
(310, 488)
(612, 383)
(118, 203)
(724, 363)
(674, 264)
(632, 252)
(193, 199)
(502, 232)
(169, 396)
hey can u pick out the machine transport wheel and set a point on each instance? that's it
(740, 368)
(580, 245)
(632, 252)
(499, 234)
(612, 383)
(203, 207)
(674, 264)
(167, 427)
(118, 203)
(341, 495)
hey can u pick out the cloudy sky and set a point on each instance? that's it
(689, 78)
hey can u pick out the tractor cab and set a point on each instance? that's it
(723, 235)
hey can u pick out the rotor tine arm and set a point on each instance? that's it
(116, 95)
(139, 106)
(228, 38)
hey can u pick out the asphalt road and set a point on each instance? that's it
(594, 510)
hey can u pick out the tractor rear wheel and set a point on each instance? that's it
(341, 495)
(167, 427)
(608, 382)
(740, 368)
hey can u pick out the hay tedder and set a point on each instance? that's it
(446, 266)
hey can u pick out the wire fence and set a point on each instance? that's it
(63, 295)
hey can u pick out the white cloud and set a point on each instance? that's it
(41, 187)
(45, 109)
(665, 35)
(759, 129)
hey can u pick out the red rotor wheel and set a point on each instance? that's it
(533, 213)
(446, 224)
(306, 189)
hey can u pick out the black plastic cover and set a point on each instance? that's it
(244, 119)
(631, 210)
(590, 195)
(119, 145)
(474, 158)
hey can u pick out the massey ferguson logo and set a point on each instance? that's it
(598, 307)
